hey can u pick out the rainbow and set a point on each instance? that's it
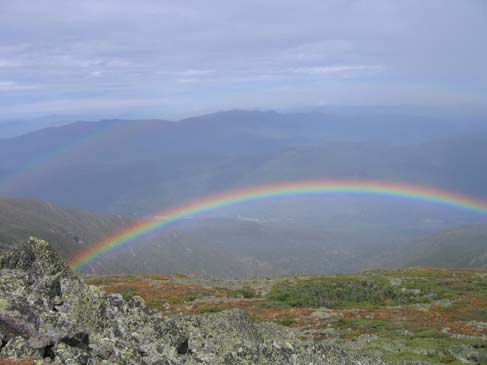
(296, 188)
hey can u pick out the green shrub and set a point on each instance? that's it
(340, 292)
(245, 292)
(128, 293)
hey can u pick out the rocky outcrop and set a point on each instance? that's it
(48, 314)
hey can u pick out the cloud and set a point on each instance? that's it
(328, 70)
(8, 63)
(236, 53)
(185, 73)
(96, 73)
(6, 86)
(193, 72)
(75, 105)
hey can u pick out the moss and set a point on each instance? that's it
(483, 314)
(128, 293)
(405, 356)
(286, 322)
(245, 292)
(448, 359)
(364, 325)
(155, 303)
(209, 310)
(428, 333)
(424, 345)
(110, 279)
(4, 305)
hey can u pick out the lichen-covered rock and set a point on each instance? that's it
(35, 257)
(469, 354)
(48, 314)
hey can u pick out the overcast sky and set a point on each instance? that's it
(174, 58)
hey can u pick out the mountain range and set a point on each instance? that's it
(135, 168)
(109, 174)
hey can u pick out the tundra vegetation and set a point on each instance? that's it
(416, 315)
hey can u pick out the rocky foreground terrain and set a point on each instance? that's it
(417, 316)
(49, 315)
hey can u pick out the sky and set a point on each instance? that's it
(177, 58)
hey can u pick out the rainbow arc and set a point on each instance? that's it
(296, 188)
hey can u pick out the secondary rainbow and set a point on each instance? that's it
(296, 188)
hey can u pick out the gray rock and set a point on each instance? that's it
(35, 257)
(469, 354)
(50, 315)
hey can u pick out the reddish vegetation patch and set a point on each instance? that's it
(17, 362)
(157, 290)
(468, 308)
(454, 317)
(259, 309)
(172, 297)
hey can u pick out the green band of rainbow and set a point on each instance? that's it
(371, 188)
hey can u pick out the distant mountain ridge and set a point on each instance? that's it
(263, 131)
(136, 168)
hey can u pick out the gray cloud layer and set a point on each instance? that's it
(178, 57)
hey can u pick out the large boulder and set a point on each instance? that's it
(35, 257)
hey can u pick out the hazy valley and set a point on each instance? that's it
(128, 170)
(137, 168)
